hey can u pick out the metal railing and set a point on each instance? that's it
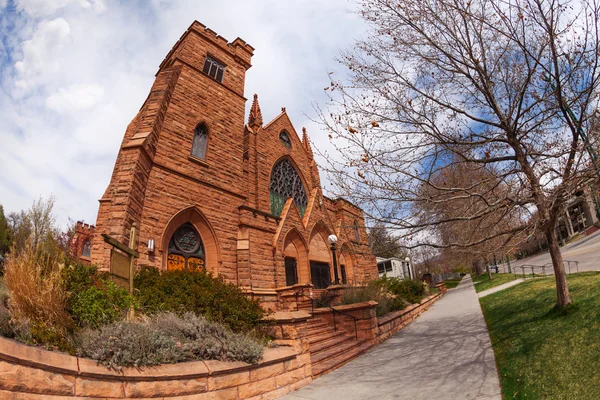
(324, 305)
(569, 266)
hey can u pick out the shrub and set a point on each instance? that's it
(197, 292)
(386, 302)
(37, 296)
(94, 300)
(166, 338)
(97, 306)
(5, 327)
(411, 291)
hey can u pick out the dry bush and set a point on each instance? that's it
(37, 296)
(166, 338)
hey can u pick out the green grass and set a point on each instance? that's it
(484, 283)
(542, 353)
(452, 283)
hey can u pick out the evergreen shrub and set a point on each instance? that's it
(199, 293)
(94, 300)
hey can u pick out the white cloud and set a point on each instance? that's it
(74, 98)
(44, 8)
(3, 4)
(85, 68)
(41, 52)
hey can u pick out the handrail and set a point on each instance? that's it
(547, 265)
(312, 303)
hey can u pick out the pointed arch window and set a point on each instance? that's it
(86, 249)
(284, 138)
(285, 182)
(186, 250)
(200, 141)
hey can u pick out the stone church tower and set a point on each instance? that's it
(241, 200)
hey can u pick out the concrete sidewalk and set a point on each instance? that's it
(500, 287)
(444, 354)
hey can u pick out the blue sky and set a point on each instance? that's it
(73, 73)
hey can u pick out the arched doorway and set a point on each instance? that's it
(189, 242)
(295, 259)
(320, 257)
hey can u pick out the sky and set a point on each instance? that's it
(73, 73)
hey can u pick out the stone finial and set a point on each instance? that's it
(255, 118)
(306, 143)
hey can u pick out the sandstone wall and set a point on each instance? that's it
(30, 373)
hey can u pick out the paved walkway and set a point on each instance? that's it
(444, 354)
(501, 287)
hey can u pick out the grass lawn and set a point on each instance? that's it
(543, 354)
(452, 283)
(483, 283)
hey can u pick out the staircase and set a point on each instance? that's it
(330, 349)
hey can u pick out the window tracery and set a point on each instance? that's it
(285, 182)
(186, 250)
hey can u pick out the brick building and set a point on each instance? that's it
(242, 200)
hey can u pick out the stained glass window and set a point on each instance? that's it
(285, 182)
(186, 250)
(86, 250)
(284, 138)
(200, 141)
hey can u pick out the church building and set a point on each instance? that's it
(209, 188)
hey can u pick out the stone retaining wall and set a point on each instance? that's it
(394, 321)
(31, 373)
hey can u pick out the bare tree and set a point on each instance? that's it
(383, 243)
(508, 84)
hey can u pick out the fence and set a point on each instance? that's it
(546, 269)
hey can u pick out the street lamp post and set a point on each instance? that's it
(407, 260)
(332, 239)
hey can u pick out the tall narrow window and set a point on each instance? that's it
(356, 233)
(214, 68)
(186, 250)
(343, 272)
(86, 250)
(291, 271)
(200, 141)
(285, 183)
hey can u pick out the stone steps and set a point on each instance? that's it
(326, 344)
(331, 363)
(330, 349)
(323, 337)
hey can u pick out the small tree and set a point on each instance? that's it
(5, 234)
(383, 244)
(510, 85)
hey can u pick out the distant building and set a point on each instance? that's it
(394, 268)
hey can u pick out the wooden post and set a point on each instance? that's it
(132, 238)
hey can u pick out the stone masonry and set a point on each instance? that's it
(225, 196)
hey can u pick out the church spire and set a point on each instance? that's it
(255, 118)
(306, 143)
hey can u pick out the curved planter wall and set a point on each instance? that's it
(32, 373)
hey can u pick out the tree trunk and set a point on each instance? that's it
(562, 287)
(489, 271)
